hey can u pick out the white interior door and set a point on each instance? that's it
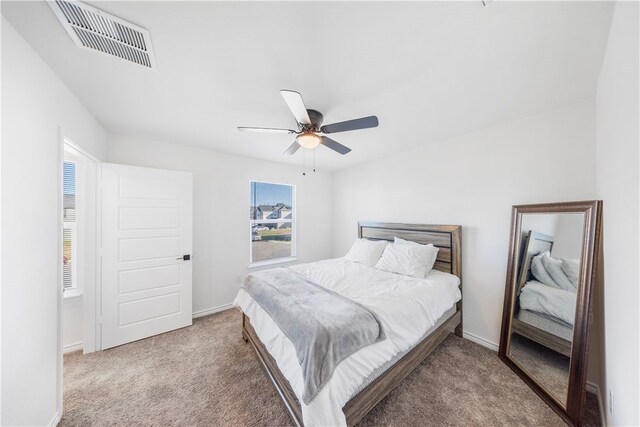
(146, 233)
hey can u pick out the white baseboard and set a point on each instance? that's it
(69, 348)
(595, 389)
(55, 420)
(479, 340)
(213, 310)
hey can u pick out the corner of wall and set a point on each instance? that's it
(617, 176)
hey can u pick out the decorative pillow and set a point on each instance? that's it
(540, 273)
(571, 268)
(366, 252)
(554, 268)
(407, 260)
(430, 252)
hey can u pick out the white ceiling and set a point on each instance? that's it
(428, 70)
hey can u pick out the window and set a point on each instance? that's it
(272, 222)
(69, 246)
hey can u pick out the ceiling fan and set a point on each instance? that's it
(310, 126)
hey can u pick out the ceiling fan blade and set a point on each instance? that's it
(265, 130)
(296, 105)
(292, 148)
(335, 146)
(362, 123)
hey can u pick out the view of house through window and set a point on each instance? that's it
(69, 231)
(272, 221)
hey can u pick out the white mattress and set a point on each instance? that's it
(547, 323)
(407, 308)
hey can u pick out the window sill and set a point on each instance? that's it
(71, 295)
(271, 262)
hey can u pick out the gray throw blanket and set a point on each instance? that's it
(324, 327)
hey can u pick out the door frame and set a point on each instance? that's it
(91, 335)
(91, 291)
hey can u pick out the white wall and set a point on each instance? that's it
(566, 230)
(72, 325)
(221, 210)
(617, 142)
(473, 180)
(568, 236)
(34, 104)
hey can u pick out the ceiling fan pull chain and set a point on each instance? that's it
(314, 159)
(304, 163)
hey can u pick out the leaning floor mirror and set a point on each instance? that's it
(551, 277)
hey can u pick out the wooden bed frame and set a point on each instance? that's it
(533, 244)
(448, 239)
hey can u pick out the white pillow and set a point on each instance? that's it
(407, 260)
(430, 252)
(554, 268)
(366, 252)
(540, 273)
(571, 268)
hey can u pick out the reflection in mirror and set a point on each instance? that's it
(545, 298)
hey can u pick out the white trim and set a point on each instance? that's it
(87, 187)
(69, 295)
(80, 150)
(595, 389)
(97, 293)
(218, 309)
(59, 281)
(55, 420)
(69, 348)
(479, 340)
(272, 262)
(1, 233)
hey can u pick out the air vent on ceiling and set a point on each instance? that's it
(94, 29)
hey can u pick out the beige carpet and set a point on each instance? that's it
(205, 375)
(549, 368)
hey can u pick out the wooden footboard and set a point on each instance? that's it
(367, 399)
(542, 337)
(282, 384)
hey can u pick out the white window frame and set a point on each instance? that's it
(294, 228)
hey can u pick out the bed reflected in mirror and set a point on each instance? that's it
(546, 318)
(545, 305)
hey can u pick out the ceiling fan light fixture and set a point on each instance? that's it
(308, 140)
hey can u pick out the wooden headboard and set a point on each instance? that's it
(533, 243)
(446, 237)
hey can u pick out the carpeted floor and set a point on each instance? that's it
(549, 368)
(205, 375)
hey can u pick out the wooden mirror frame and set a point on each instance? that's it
(572, 412)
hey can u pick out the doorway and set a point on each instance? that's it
(79, 249)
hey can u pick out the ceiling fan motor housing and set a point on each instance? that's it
(310, 124)
(316, 118)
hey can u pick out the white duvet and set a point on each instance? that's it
(407, 308)
(559, 303)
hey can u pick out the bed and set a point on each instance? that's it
(366, 377)
(551, 331)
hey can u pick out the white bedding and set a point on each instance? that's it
(559, 303)
(407, 307)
